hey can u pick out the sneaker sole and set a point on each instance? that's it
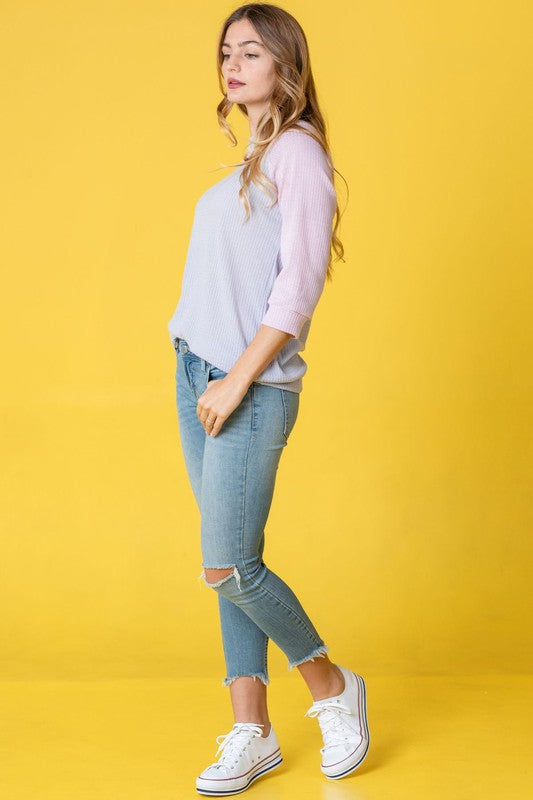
(335, 776)
(254, 773)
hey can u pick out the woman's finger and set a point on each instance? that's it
(219, 422)
(206, 416)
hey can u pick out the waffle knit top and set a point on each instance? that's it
(267, 270)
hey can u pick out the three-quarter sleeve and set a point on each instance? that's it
(307, 201)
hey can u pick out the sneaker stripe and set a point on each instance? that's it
(362, 705)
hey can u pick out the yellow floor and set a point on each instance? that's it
(431, 737)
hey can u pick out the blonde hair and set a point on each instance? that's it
(292, 99)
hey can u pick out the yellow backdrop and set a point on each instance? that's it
(401, 510)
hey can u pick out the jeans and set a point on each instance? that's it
(232, 476)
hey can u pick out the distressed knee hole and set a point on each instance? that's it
(216, 576)
(213, 575)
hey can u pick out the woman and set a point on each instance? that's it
(257, 261)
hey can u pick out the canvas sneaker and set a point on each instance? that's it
(246, 755)
(344, 726)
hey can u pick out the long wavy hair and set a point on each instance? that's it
(293, 98)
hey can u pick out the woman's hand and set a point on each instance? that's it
(220, 399)
(223, 395)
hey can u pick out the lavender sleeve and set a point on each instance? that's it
(307, 201)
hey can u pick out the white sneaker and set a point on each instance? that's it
(344, 727)
(247, 755)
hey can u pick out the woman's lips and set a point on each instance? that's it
(235, 85)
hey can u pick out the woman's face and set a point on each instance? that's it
(246, 59)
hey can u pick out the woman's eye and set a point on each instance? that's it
(254, 55)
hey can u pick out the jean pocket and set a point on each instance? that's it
(215, 374)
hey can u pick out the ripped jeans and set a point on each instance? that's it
(232, 476)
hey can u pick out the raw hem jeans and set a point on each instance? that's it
(232, 476)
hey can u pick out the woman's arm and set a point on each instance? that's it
(307, 203)
(263, 348)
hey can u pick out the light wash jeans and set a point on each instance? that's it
(232, 476)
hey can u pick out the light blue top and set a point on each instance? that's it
(269, 269)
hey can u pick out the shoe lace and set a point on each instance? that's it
(335, 730)
(232, 743)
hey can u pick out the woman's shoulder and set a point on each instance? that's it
(298, 134)
(297, 143)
